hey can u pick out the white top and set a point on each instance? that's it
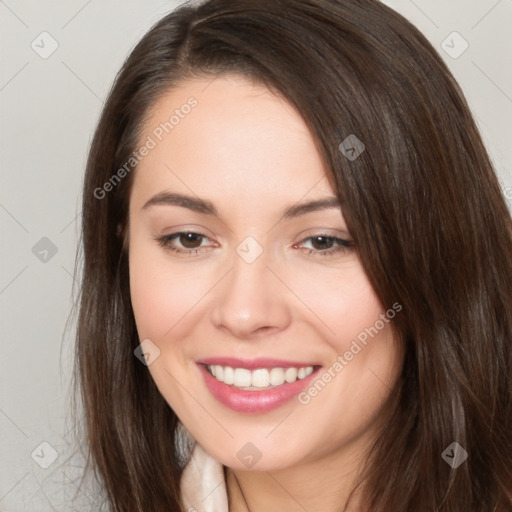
(202, 483)
(203, 486)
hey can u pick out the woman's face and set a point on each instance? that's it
(240, 260)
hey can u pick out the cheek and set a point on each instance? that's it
(164, 301)
(162, 294)
(341, 300)
(152, 301)
(365, 357)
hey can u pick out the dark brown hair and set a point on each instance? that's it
(422, 202)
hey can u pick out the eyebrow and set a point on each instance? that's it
(206, 207)
(192, 203)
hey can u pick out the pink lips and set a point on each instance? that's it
(254, 401)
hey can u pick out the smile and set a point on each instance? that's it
(255, 386)
(259, 379)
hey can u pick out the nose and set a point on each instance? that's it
(251, 301)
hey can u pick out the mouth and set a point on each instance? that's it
(258, 385)
(259, 379)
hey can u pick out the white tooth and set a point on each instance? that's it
(229, 375)
(276, 376)
(219, 373)
(290, 374)
(242, 378)
(260, 378)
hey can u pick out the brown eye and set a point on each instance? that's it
(186, 243)
(325, 245)
(190, 240)
(322, 242)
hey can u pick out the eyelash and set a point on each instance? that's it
(343, 244)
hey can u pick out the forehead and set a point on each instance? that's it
(229, 137)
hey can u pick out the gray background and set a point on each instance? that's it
(49, 107)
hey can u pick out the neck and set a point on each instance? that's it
(315, 485)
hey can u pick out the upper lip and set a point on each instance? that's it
(254, 364)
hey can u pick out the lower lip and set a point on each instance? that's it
(253, 401)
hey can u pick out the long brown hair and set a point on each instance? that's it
(422, 202)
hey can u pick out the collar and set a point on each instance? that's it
(202, 484)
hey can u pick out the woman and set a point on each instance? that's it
(297, 271)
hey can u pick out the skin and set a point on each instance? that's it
(249, 153)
